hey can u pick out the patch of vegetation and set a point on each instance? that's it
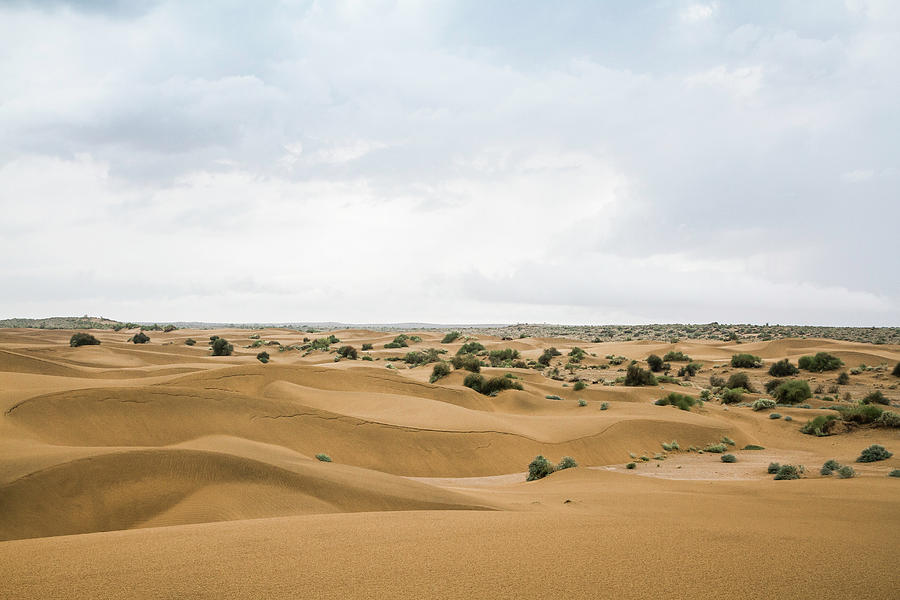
(894, 473)
(889, 419)
(763, 404)
(822, 361)
(552, 397)
(690, 369)
(440, 370)
(499, 357)
(846, 472)
(739, 380)
(492, 386)
(566, 462)
(732, 396)
(323, 457)
(83, 339)
(348, 352)
(819, 426)
(323, 343)
(829, 467)
(729, 458)
(861, 414)
(582, 403)
(670, 446)
(672, 356)
(402, 341)
(221, 347)
(451, 337)
(875, 397)
(576, 354)
(466, 361)
(844, 378)
(579, 385)
(753, 447)
(422, 357)
(604, 405)
(715, 448)
(539, 468)
(746, 361)
(773, 468)
(190, 342)
(788, 418)
(775, 416)
(792, 391)
(727, 440)
(636, 376)
(367, 346)
(682, 401)
(716, 382)
(632, 465)
(874, 453)
(140, 338)
(548, 355)
(263, 357)
(786, 472)
(896, 371)
(656, 364)
(783, 368)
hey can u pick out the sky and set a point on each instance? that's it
(451, 162)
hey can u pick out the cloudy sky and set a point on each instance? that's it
(566, 162)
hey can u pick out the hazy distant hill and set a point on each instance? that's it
(84, 322)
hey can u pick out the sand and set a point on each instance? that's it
(160, 471)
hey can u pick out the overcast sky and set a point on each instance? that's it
(566, 162)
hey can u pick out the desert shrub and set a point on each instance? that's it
(715, 448)
(666, 379)
(819, 426)
(773, 468)
(451, 337)
(846, 472)
(753, 447)
(498, 357)
(822, 361)
(632, 465)
(775, 416)
(323, 343)
(547, 355)
(401, 341)
(422, 357)
(874, 453)
(655, 363)
(440, 370)
(636, 376)
(829, 467)
(348, 352)
(875, 397)
(323, 457)
(579, 385)
(474, 381)
(221, 347)
(732, 396)
(467, 362)
(673, 356)
(788, 418)
(727, 440)
(539, 468)
(669, 446)
(576, 354)
(566, 462)
(772, 384)
(739, 380)
(861, 413)
(582, 403)
(367, 357)
(729, 458)
(745, 361)
(367, 346)
(783, 368)
(263, 357)
(253, 336)
(604, 405)
(690, 369)
(716, 381)
(789, 472)
(470, 348)
(213, 338)
(169, 328)
(495, 385)
(682, 401)
(792, 391)
(763, 404)
(894, 473)
(843, 378)
(83, 339)
(140, 338)
(896, 371)
(552, 397)
(889, 419)
(190, 342)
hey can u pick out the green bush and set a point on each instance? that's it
(636, 376)
(422, 357)
(773, 468)
(875, 397)
(672, 356)
(140, 338)
(772, 385)
(844, 378)
(474, 381)
(495, 385)
(822, 361)
(819, 426)
(775, 416)
(896, 371)
(498, 357)
(323, 457)
(889, 419)
(763, 404)
(874, 453)
(829, 467)
(323, 343)
(745, 361)
(792, 391)
(739, 380)
(566, 462)
(789, 472)
(690, 369)
(552, 397)
(367, 346)
(582, 403)
(440, 370)
(682, 401)
(547, 355)
(450, 337)
(579, 385)
(348, 352)
(846, 472)
(894, 473)
(631, 465)
(576, 354)
(732, 396)
(729, 458)
(670, 446)
(862, 414)
(470, 348)
(783, 368)
(716, 382)
(604, 405)
(263, 357)
(727, 440)
(467, 362)
(753, 447)
(83, 339)
(190, 342)
(539, 468)
(221, 347)
(788, 418)
(715, 448)
(655, 363)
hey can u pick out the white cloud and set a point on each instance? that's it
(694, 13)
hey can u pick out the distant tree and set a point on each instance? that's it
(348, 352)
(263, 357)
(450, 337)
(655, 363)
(636, 376)
(783, 368)
(822, 361)
(140, 338)
(83, 339)
(190, 342)
(746, 361)
(221, 347)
